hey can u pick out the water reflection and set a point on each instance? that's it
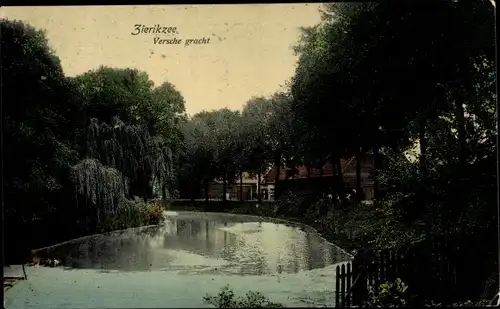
(198, 242)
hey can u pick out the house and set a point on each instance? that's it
(249, 186)
(302, 172)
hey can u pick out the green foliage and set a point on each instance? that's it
(388, 294)
(133, 213)
(293, 204)
(38, 130)
(153, 213)
(227, 299)
(256, 116)
(221, 144)
(100, 185)
(103, 190)
(130, 149)
(82, 146)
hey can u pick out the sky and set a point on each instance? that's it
(240, 50)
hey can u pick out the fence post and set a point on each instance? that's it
(356, 271)
(342, 283)
(337, 287)
(349, 278)
(361, 275)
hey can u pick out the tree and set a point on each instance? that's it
(198, 163)
(81, 147)
(37, 115)
(255, 119)
(267, 131)
(150, 114)
(321, 91)
(280, 132)
(371, 65)
(223, 125)
(214, 147)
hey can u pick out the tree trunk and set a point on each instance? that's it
(459, 110)
(149, 190)
(191, 192)
(277, 163)
(462, 154)
(339, 176)
(423, 147)
(145, 188)
(259, 196)
(224, 188)
(359, 195)
(206, 190)
(163, 191)
(321, 181)
(241, 186)
(376, 184)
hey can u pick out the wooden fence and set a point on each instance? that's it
(354, 278)
(343, 283)
(446, 268)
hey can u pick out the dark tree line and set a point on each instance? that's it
(388, 79)
(80, 153)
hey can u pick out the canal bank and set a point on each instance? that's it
(329, 224)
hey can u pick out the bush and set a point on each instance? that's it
(294, 204)
(134, 213)
(227, 299)
(389, 294)
(152, 214)
(395, 294)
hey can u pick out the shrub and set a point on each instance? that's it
(293, 204)
(152, 214)
(389, 294)
(319, 210)
(134, 213)
(227, 299)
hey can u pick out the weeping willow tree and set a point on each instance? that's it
(122, 162)
(131, 150)
(102, 189)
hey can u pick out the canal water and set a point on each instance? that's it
(178, 262)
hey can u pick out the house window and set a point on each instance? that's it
(264, 194)
(271, 194)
